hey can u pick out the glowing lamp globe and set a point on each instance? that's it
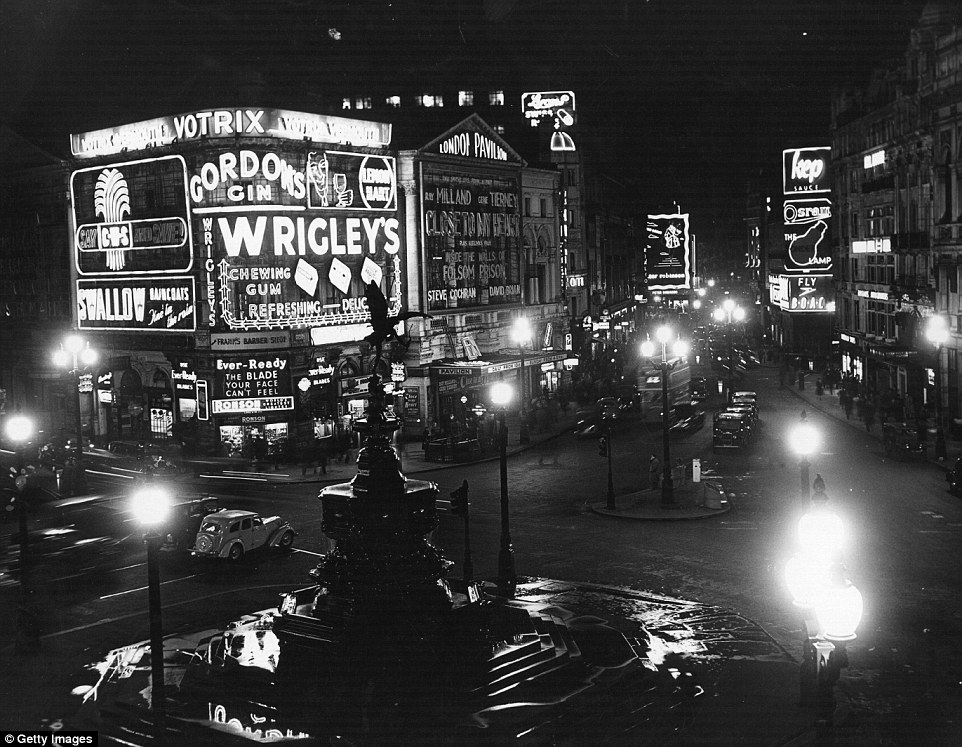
(88, 356)
(937, 330)
(821, 532)
(804, 439)
(838, 610)
(150, 506)
(738, 314)
(19, 428)
(679, 348)
(647, 348)
(719, 315)
(663, 334)
(521, 330)
(501, 393)
(806, 576)
(61, 358)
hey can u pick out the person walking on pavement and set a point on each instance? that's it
(654, 472)
(868, 414)
(846, 402)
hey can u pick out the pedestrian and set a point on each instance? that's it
(845, 399)
(654, 471)
(868, 413)
(818, 487)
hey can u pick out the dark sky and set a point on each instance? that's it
(694, 96)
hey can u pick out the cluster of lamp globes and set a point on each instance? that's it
(815, 575)
(663, 335)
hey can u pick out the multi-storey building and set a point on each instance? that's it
(896, 212)
(221, 262)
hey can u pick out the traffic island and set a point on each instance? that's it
(692, 500)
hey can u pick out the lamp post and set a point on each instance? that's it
(150, 505)
(501, 394)
(937, 331)
(75, 353)
(804, 440)
(679, 348)
(831, 605)
(728, 313)
(521, 335)
(20, 429)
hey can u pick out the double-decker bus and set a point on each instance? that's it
(649, 386)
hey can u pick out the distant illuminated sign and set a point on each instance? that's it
(667, 253)
(546, 105)
(805, 170)
(473, 139)
(229, 123)
(808, 293)
(576, 280)
(880, 245)
(806, 224)
(872, 160)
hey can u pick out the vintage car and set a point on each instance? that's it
(730, 430)
(184, 520)
(749, 408)
(232, 533)
(688, 419)
(901, 441)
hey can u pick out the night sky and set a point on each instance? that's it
(692, 97)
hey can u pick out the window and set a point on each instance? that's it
(465, 98)
(544, 207)
(496, 98)
(393, 101)
(245, 524)
(345, 104)
(428, 100)
(362, 102)
(498, 128)
(527, 206)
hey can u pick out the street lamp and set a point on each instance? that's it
(679, 348)
(804, 439)
(150, 505)
(728, 313)
(20, 429)
(831, 604)
(521, 335)
(74, 354)
(937, 331)
(501, 394)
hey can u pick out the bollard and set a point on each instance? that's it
(696, 470)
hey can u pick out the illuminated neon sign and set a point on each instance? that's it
(543, 105)
(132, 218)
(805, 170)
(806, 234)
(160, 304)
(228, 123)
(871, 160)
(881, 245)
(667, 255)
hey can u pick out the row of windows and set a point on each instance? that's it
(428, 100)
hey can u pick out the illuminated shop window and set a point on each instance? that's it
(430, 100)
(498, 128)
(393, 101)
(496, 98)
(345, 104)
(465, 98)
(362, 102)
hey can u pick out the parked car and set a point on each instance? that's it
(185, 519)
(233, 533)
(745, 405)
(901, 441)
(730, 430)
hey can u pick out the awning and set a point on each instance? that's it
(497, 363)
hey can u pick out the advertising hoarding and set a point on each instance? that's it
(472, 237)
(154, 304)
(230, 123)
(290, 237)
(667, 253)
(807, 239)
(803, 293)
(131, 218)
(252, 384)
(806, 170)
